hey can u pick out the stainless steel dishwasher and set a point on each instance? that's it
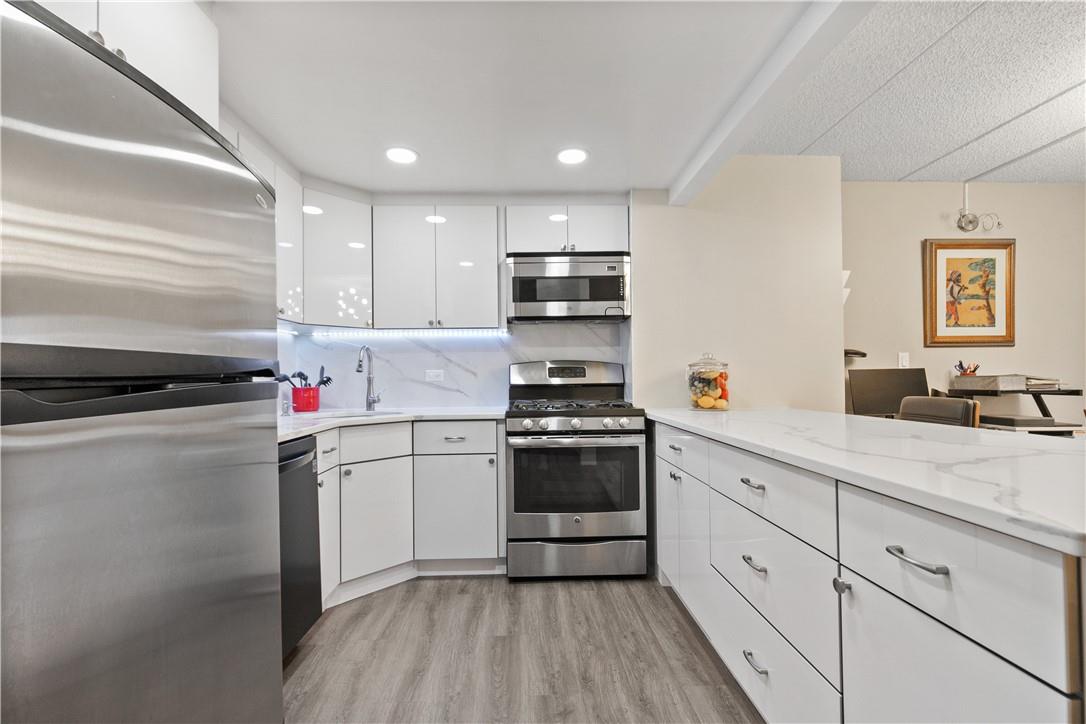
(299, 539)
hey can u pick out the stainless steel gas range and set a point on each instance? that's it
(576, 472)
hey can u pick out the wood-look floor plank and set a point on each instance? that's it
(482, 649)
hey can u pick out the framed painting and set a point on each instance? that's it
(968, 293)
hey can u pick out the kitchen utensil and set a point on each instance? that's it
(284, 378)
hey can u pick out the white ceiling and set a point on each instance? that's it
(952, 91)
(487, 93)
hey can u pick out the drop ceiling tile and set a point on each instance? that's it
(1002, 60)
(1055, 119)
(1064, 162)
(884, 42)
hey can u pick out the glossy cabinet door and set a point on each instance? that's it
(599, 228)
(288, 248)
(467, 266)
(376, 517)
(456, 506)
(535, 229)
(404, 267)
(899, 664)
(338, 268)
(694, 565)
(328, 516)
(667, 521)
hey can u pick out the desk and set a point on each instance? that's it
(1056, 428)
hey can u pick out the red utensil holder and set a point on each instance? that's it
(305, 399)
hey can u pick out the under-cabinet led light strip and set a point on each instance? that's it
(406, 333)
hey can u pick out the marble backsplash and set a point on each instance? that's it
(475, 368)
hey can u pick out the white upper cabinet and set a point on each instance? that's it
(403, 263)
(564, 229)
(338, 278)
(257, 158)
(533, 229)
(598, 228)
(435, 266)
(467, 266)
(288, 247)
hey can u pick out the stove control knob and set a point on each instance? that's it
(608, 422)
(527, 424)
(544, 424)
(624, 422)
(575, 423)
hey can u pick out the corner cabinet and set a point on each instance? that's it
(435, 267)
(566, 229)
(338, 269)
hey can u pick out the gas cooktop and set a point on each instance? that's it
(563, 405)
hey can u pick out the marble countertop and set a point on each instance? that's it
(310, 423)
(1028, 486)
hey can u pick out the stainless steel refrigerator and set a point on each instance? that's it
(140, 543)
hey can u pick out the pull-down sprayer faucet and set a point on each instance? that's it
(365, 364)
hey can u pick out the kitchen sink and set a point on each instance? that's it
(347, 413)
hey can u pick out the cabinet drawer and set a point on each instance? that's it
(794, 591)
(456, 437)
(801, 502)
(790, 690)
(901, 665)
(374, 442)
(327, 450)
(684, 450)
(1014, 597)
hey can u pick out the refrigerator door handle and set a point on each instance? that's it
(17, 407)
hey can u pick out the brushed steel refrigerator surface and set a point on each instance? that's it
(140, 539)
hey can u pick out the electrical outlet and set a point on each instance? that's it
(435, 375)
(902, 359)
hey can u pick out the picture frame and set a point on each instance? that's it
(968, 292)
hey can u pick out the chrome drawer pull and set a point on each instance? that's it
(933, 568)
(752, 485)
(675, 476)
(676, 448)
(750, 562)
(329, 451)
(842, 587)
(749, 656)
(455, 438)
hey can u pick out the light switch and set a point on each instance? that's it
(435, 375)
(903, 359)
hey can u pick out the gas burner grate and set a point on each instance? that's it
(560, 405)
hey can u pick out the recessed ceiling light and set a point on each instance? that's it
(356, 245)
(401, 155)
(572, 156)
(287, 244)
(313, 210)
(558, 217)
(436, 219)
(467, 263)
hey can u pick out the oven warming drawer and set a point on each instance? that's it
(531, 559)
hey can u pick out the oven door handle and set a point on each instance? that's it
(576, 441)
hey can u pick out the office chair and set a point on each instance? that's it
(941, 411)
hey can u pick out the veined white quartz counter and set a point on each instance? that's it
(1028, 486)
(301, 424)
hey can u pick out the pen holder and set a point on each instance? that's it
(306, 399)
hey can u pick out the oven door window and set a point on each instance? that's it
(576, 479)
(569, 289)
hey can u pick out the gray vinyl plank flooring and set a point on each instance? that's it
(482, 649)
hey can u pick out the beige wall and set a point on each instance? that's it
(750, 271)
(884, 224)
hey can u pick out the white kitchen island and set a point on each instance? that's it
(863, 569)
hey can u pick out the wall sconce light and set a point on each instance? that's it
(968, 221)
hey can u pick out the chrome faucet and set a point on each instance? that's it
(365, 364)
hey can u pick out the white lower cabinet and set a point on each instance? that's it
(376, 516)
(667, 520)
(694, 585)
(329, 521)
(456, 506)
(779, 682)
(902, 665)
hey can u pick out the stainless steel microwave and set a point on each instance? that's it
(568, 286)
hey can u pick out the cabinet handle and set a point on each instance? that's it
(329, 451)
(676, 448)
(749, 560)
(455, 438)
(439, 323)
(933, 568)
(675, 476)
(431, 322)
(749, 656)
(573, 247)
(347, 472)
(320, 483)
(564, 247)
(752, 485)
(491, 461)
(282, 310)
(842, 587)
